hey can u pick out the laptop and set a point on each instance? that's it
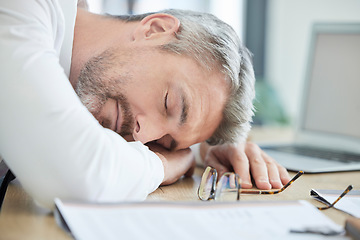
(327, 136)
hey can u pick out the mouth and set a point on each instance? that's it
(118, 120)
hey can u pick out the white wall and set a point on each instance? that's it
(230, 11)
(288, 34)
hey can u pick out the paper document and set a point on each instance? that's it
(194, 220)
(350, 203)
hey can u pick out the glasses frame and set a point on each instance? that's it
(328, 206)
(275, 191)
(212, 195)
(4, 185)
(240, 191)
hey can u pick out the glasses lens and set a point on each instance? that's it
(207, 185)
(228, 188)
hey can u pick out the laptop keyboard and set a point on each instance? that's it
(318, 153)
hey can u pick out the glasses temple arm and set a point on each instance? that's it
(274, 191)
(348, 189)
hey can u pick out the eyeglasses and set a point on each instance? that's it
(348, 189)
(228, 188)
(4, 184)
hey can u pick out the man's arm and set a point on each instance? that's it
(54, 146)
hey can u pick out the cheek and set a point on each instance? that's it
(141, 101)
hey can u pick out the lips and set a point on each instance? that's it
(118, 121)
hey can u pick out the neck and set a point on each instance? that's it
(94, 34)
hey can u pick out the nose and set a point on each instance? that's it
(147, 129)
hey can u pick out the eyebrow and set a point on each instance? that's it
(184, 110)
(183, 118)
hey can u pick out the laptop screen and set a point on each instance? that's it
(332, 101)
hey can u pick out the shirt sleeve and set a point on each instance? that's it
(50, 141)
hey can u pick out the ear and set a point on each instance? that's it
(157, 26)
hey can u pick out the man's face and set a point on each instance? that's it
(151, 95)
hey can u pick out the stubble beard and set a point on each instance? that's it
(97, 83)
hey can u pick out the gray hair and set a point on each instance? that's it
(214, 44)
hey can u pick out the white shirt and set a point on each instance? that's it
(50, 141)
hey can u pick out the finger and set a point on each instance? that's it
(258, 166)
(273, 171)
(284, 175)
(259, 173)
(241, 166)
(212, 161)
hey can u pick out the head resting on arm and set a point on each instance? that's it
(214, 44)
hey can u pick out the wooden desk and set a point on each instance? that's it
(186, 190)
(20, 218)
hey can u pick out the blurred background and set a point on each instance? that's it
(277, 32)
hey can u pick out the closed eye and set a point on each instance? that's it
(166, 99)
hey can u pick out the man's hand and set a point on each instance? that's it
(247, 160)
(176, 163)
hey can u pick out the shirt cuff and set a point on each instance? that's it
(196, 151)
(159, 172)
